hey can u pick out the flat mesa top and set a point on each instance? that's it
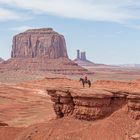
(91, 93)
(76, 92)
(95, 93)
(99, 93)
(41, 30)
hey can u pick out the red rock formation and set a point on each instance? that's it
(114, 105)
(93, 104)
(39, 43)
(116, 111)
(41, 50)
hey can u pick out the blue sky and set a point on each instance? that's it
(108, 30)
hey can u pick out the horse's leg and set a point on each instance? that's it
(83, 84)
(89, 83)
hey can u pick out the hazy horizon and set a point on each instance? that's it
(107, 30)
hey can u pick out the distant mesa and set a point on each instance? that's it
(39, 43)
(82, 61)
(41, 50)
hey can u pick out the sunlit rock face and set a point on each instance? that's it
(39, 43)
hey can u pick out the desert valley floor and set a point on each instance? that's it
(49, 107)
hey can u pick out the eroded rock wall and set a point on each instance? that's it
(134, 108)
(94, 104)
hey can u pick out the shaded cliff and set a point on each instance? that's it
(93, 104)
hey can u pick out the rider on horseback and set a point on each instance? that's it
(86, 79)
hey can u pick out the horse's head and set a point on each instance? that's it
(80, 79)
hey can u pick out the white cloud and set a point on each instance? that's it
(8, 15)
(119, 11)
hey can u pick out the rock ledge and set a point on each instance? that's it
(92, 104)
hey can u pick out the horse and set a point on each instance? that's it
(85, 82)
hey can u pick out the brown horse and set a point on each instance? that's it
(85, 82)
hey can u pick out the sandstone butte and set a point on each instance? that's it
(39, 43)
(41, 49)
(109, 110)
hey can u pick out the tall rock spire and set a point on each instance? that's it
(83, 56)
(78, 54)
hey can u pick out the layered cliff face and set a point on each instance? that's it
(39, 43)
(99, 101)
(41, 50)
(93, 104)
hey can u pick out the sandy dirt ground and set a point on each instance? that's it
(24, 103)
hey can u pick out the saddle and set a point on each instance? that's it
(86, 81)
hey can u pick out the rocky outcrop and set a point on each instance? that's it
(134, 107)
(113, 101)
(41, 50)
(39, 43)
(111, 106)
(93, 104)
